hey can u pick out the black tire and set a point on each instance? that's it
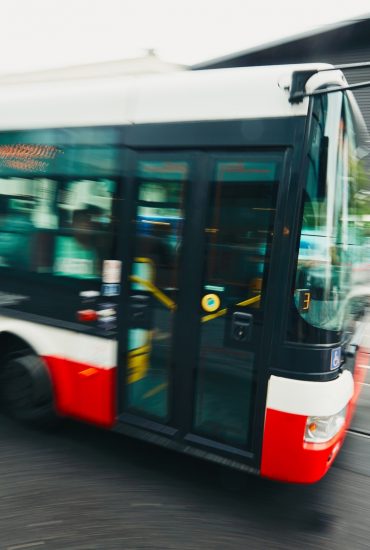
(26, 391)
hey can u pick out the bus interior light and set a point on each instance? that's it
(320, 429)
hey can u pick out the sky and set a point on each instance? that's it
(40, 34)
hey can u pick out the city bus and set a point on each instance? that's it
(183, 259)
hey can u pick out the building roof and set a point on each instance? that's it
(339, 36)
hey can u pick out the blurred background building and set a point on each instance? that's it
(149, 63)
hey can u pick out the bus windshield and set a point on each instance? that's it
(333, 232)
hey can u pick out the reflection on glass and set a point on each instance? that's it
(85, 209)
(56, 226)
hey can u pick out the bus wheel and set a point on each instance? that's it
(26, 391)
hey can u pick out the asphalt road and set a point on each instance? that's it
(81, 488)
(361, 421)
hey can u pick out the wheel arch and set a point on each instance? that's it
(14, 345)
(15, 335)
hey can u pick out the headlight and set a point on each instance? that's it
(320, 429)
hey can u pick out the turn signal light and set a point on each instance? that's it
(320, 429)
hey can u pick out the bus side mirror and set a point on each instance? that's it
(323, 165)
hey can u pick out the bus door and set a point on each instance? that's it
(198, 285)
(161, 191)
(239, 235)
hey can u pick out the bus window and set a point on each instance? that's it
(240, 229)
(160, 218)
(26, 210)
(86, 239)
(56, 215)
(330, 237)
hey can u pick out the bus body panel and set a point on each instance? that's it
(310, 398)
(248, 93)
(83, 391)
(286, 456)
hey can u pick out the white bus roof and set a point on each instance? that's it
(223, 94)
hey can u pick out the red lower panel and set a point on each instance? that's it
(83, 392)
(285, 456)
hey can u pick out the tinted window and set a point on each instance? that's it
(56, 208)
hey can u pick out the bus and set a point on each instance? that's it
(183, 260)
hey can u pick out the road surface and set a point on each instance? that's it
(83, 489)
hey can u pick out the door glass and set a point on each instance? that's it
(239, 234)
(154, 284)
